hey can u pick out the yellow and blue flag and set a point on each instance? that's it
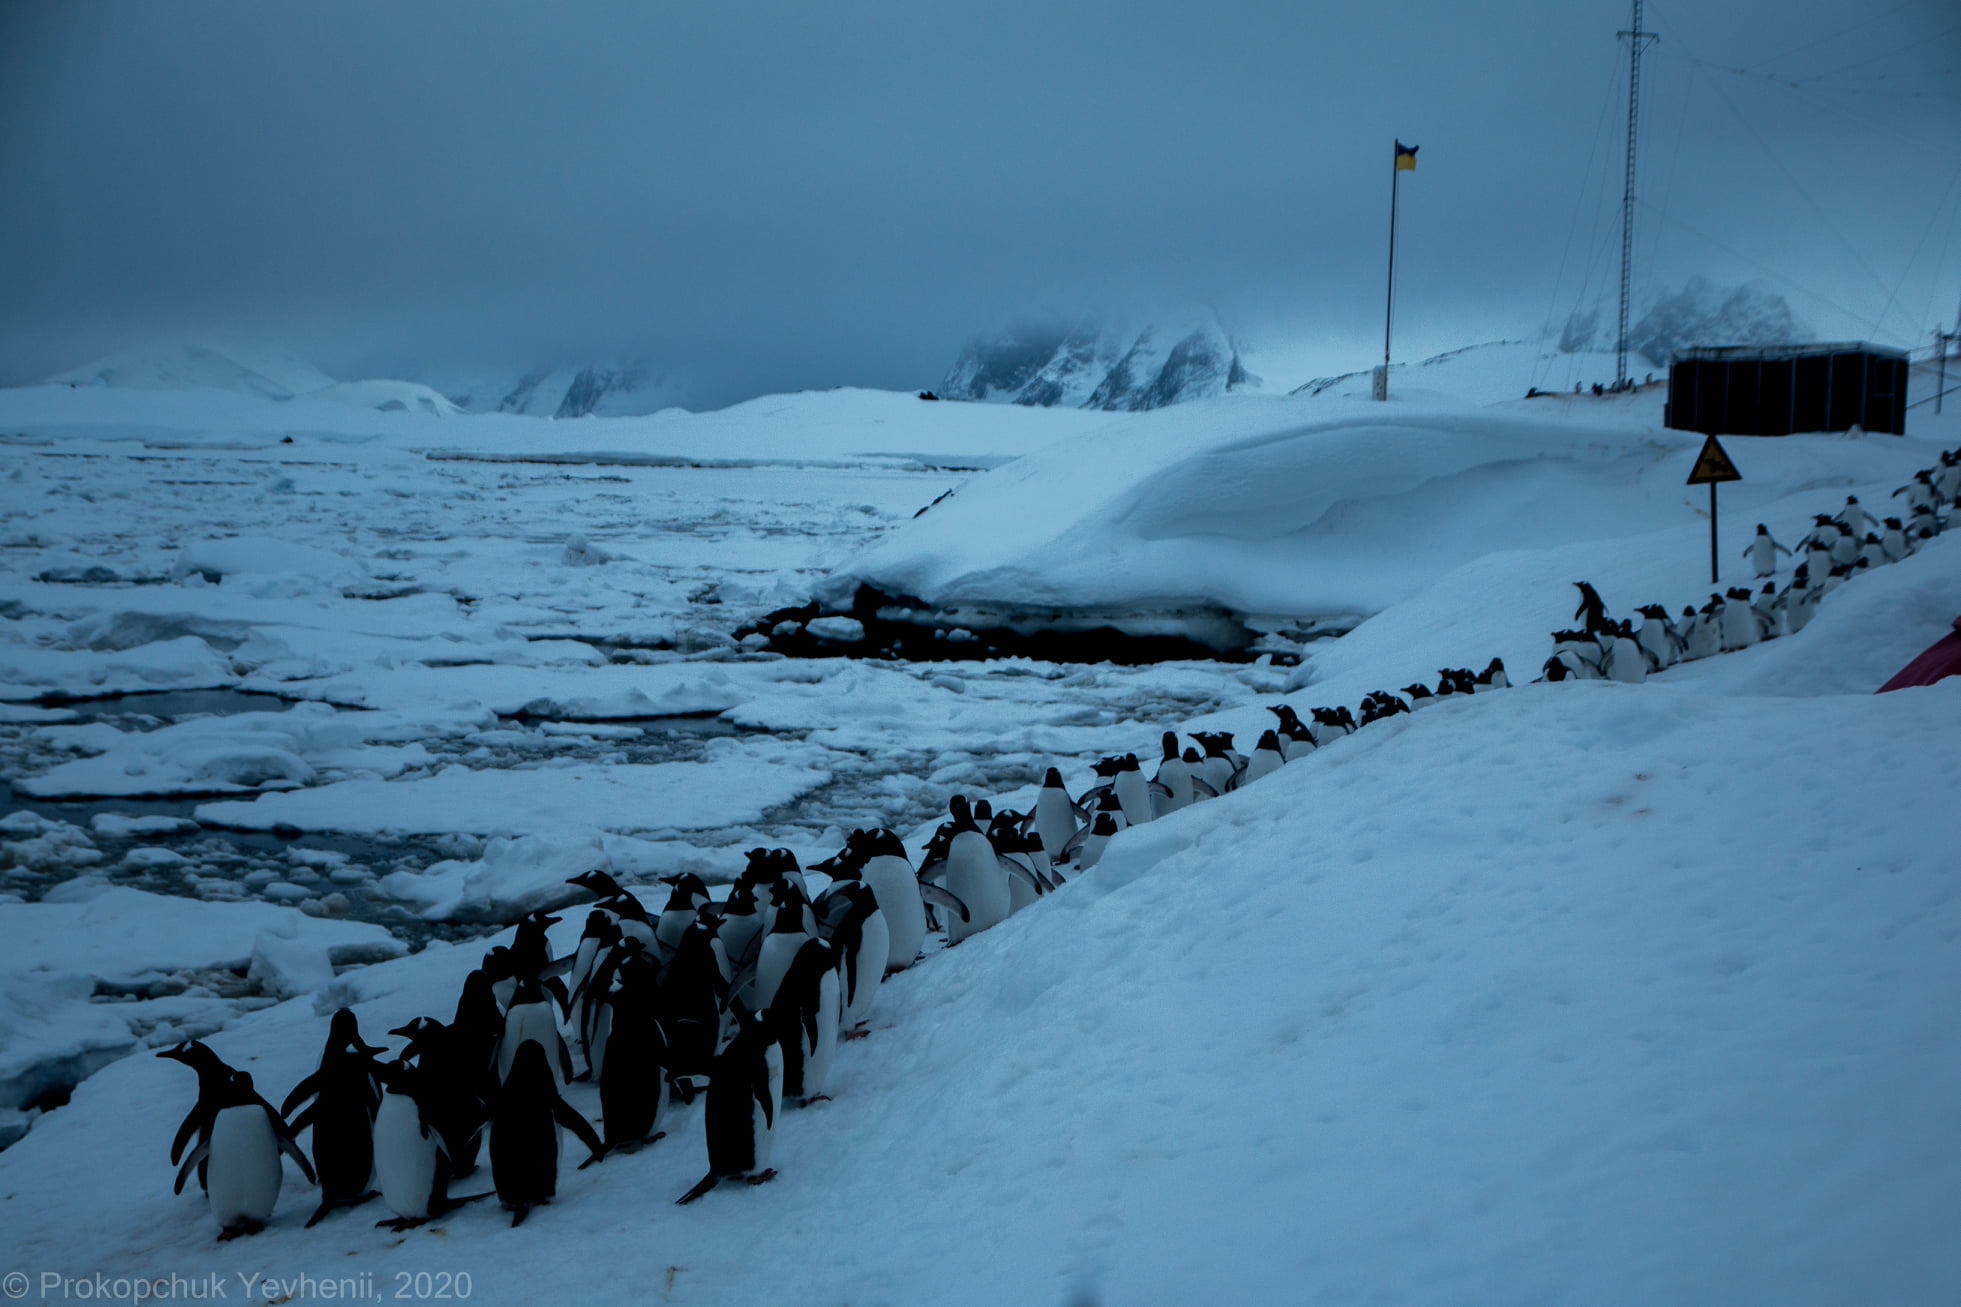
(1405, 157)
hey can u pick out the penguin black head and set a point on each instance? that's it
(344, 1032)
(597, 883)
(1762, 530)
(1170, 743)
(198, 1057)
(983, 810)
(477, 1004)
(1052, 780)
(1269, 740)
(1105, 824)
(1418, 691)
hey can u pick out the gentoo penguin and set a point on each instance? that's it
(1026, 863)
(1857, 520)
(213, 1083)
(1267, 758)
(745, 1094)
(1762, 552)
(888, 873)
(1123, 777)
(1056, 818)
(1420, 696)
(1108, 812)
(864, 952)
(689, 1008)
(803, 1020)
(1657, 636)
(241, 1158)
(1592, 612)
(1578, 653)
(741, 925)
(1296, 740)
(1893, 540)
(1947, 479)
(412, 1166)
(451, 1091)
(1705, 637)
(633, 1076)
(682, 905)
(1627, 661)
(531, 1018)
(1845, 549)
(345, 1092)
(1171, 787)
(1872, 553)
(1222, 762)
(1097, 837)
(531, 957)
(602, 936)
(1920, 492)
(973, 874)
(1770, 617)
(1740, 629)
(524, 1133)
(1493, 677)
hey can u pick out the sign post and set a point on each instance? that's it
(1712, 466)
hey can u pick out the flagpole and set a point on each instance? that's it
(1389, 307)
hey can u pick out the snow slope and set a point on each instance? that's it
(1579, 992)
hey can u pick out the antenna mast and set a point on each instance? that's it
(1636, 37)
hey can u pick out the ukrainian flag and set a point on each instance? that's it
(1405, 157)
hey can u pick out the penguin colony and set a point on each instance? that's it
(1836, 549)
(741, 1002)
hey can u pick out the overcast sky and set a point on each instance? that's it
(761, 197)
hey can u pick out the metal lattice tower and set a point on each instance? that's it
(1635, 37)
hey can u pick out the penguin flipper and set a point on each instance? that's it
(1014, 868)
(303, 1120)
(287, 1144)
(564, 1058)
(556, 988)
(945, 898)
(569, 1117)
(1203, 789)
(184, 1133)
(198, 1154)
(304, 1090)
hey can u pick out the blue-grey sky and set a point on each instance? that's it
(761, 197)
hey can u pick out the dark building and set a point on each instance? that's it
(1757, 390)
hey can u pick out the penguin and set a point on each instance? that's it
(1026, 863)
(1770, 614)
(1267, 758)
(1592, 612)
(1222, 762)
(689, 1008)
(1762, 552)
(1893, 540)
(1493, 677)
(1704, 631)
(682, 905)
(1920, 492)
(1420, 696)
(973, 873)
(1171, 787)
(633, 1078)
(863, 944)
(412, 1163)
(1296, 740)
(804, 1019)
(530, 1019)
(741, 926)
(1578, 653)
(1740, 629)
(1124, 778)
(1657, 635)
(1099, 834)
(745, 1095)
(241, 1158)
(213, 1082)
(1627, 661)
(1872, 553)
(601, 937)
(1845, 549)
(345, 1093)
(888, 873)
(1057, 817)
(1857, 520)
(451, 1087)
(1947, 480)
(524, 1133)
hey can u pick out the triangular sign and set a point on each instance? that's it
(1712, 464)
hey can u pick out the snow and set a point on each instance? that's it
(1573, 992)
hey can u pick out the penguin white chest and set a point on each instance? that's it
(897, 892)
(974, 876)
(405, 1158)
(243, 1173)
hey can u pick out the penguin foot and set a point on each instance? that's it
(761, 1177)
(237, 1228)
(707, 1182)
(814, 1098)
(400, 1223)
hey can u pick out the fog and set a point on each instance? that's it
(759, 197)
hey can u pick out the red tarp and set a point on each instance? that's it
(1943, 658)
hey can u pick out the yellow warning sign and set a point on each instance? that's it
(1712, 465)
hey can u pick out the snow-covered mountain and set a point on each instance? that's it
(1699, 314)
(217, 363)
(1087, 365)
(614, 389)
(210, 362)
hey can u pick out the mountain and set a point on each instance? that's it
(1085, 365)
(1699, 314)
(176, 363)
(606, 390)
